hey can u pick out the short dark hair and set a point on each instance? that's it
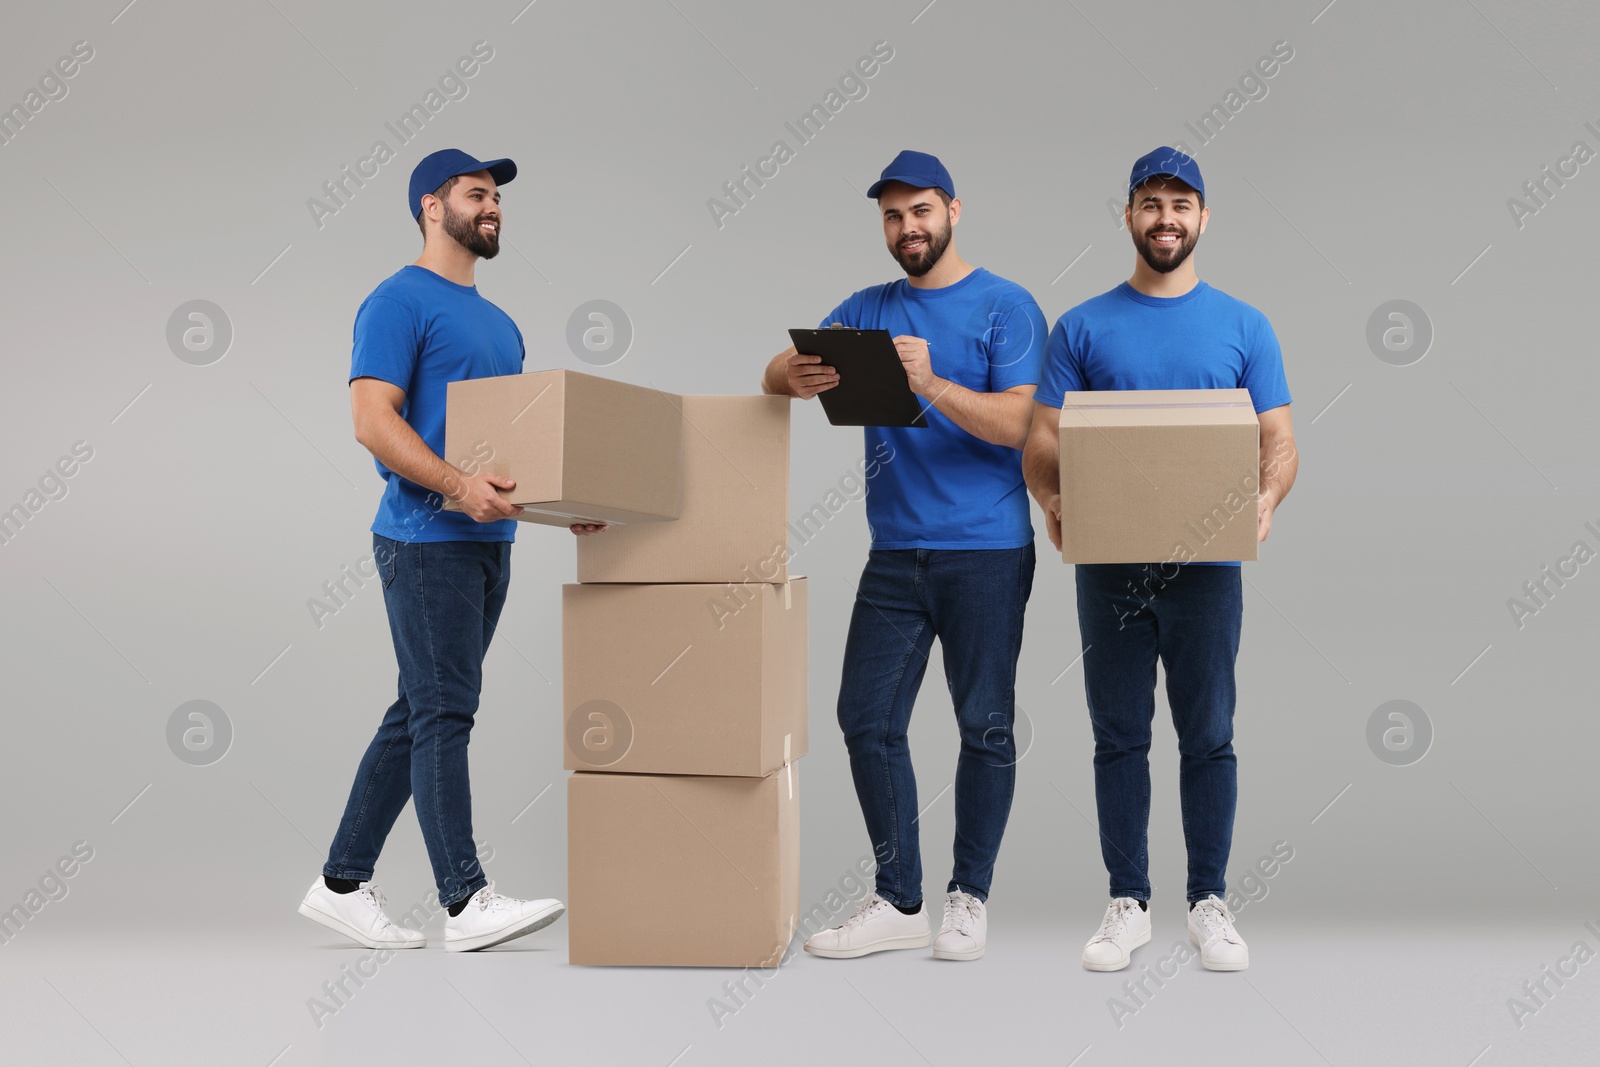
(1198, 195)
(443, 192)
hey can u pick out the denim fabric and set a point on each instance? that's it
(972, 600)
(443, 599)
(1129, 616)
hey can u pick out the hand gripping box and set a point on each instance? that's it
(1159, 475)
(580, 448)
(681, 870)
(684, 679)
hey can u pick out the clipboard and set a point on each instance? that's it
(872, 389)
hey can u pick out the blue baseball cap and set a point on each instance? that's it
(918, 170)
(435, 169)
(1167, 163)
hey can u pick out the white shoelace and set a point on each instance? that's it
(868, 908)
(1116, 920)
(1216, 920)
(959, 913)
(376, 898)
(486, 898)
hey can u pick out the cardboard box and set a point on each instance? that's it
(733, 526)
(684, 679)
(682, 871)
(581, 448)
(1159, 475)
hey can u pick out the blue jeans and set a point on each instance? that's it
(972, 600)
(443, 600)
(1130, 615)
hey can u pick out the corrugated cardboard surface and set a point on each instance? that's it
(682, 871)
(581, 448)
(1151, 476)
(733, 523)
(684, 679)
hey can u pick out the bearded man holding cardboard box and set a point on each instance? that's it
(1119, 458)
(444, 572)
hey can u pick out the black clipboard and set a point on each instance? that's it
(872, 389)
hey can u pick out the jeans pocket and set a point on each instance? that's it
(384, 552)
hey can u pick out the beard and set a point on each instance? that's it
(919, 263)
(464, 228)
(1165, 260)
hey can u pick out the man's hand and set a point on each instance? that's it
(583, 529)
(919, 369)
(1052, 519)
(479, 497)
(1280, 462)
(808, 376)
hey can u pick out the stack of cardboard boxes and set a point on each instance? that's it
(683, 676)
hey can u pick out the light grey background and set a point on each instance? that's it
(219, 498)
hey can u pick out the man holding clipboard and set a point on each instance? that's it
(952, 557)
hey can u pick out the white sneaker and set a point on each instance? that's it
(358, 916)
(1211, 929)
(875, 927)
(965, 930)
(493, 919)
(1125, 927)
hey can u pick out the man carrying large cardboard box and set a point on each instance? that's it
(444, 573)
(952, 556)
(1163, 329)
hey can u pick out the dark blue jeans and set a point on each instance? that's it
(972, 601)
(443, 599)
(1188, 617)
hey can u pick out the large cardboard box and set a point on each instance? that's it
(682, 871)
(684, 679)
(581, 448)
(1159, 475)
(733, 526)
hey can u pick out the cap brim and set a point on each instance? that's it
(877, 187)
(1163, 174)
(501, 170)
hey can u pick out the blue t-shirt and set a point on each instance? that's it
(1204, 339)
(941, 487)
(420, 331)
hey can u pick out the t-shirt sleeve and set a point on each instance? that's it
(841, 314)
(1063, 368)
(387, 342)
(1016, 347)
(1263, 367)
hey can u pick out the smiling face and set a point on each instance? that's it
(917, 225)
(1166, 218)
(472, 214)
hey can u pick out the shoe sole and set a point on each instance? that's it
(1218, 966)
(1144, 940)
(958, 954)
(888, 944)
(533, 924)
(340, 926)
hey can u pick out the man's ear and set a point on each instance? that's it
(428, 198)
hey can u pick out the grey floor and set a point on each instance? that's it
(1407, 993)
